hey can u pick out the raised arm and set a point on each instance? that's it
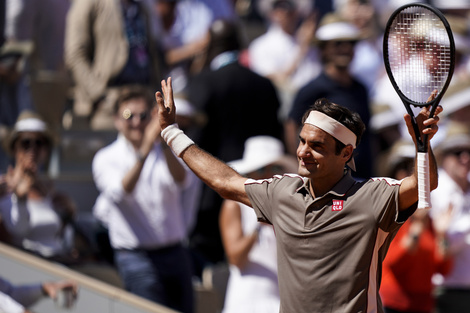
(212, 171)
(408, 193)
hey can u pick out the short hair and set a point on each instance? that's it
(130, 92)
(348, 118)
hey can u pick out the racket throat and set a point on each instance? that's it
(421, 140)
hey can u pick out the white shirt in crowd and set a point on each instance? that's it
(153, 215)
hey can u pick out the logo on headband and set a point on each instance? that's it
(337, 205)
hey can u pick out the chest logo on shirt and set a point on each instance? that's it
(337, 205)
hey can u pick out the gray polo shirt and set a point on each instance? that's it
(330, 249)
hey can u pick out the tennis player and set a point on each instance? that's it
(332, 231)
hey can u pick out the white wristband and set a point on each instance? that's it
(176, 139)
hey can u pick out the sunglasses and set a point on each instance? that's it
(338, 43)
(459, 152)
(129, 116)
(29, 143)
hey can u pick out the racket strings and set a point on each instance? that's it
(419, 52)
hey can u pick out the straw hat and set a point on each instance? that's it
(29, 121)
(261, 151)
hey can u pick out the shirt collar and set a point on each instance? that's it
(340, 189)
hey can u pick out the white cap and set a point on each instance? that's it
(338, 31)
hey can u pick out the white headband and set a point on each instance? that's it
(335, 129)
(30, 124)
(332, 127)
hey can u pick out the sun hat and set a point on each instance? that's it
(333, 27)
(29, 121)
(261, 151)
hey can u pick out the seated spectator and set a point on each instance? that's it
(37, 218)
(17, 298)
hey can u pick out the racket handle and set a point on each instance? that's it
(424, 189)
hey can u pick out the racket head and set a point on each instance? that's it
(419, 53)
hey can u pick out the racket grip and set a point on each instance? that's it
(424, 189)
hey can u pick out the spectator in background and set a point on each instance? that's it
(45, 79)
(109, 44)
(367, 65)
(453, 193)
(15, 95)
(140, 202)
(182, 29)
(232, 98)
(251, 246)
(336, 39)
(284, 54)
(418, 251)
(37, 217)
(17, 298)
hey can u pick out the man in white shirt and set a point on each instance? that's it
(140, 183)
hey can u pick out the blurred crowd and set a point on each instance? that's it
(241, 69)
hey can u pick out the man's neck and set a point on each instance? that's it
(320, 186)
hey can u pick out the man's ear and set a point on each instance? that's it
(347, 152)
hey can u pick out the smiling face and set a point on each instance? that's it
(318, 158)
(339, 53)
(132, 118)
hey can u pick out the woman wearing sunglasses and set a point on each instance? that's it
(35, 216)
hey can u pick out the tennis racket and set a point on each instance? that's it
(419, 52)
